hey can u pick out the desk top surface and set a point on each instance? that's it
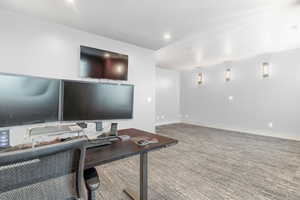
(119, 150)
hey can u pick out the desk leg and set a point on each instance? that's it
(143, 180)
(144, 176)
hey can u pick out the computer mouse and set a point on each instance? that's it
(142, 142)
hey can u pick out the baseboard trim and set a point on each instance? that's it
(246, 131)
(166, 123)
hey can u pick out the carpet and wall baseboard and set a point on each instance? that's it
(246, 131)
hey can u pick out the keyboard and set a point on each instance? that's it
(98, 143)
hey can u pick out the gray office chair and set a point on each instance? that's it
(52, 172)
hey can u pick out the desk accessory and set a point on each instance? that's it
(99, 126)
(113, 133)
(48, 133)
(114, 129)
(4, 139)
(82, 124)
(124, 137)
(52, 130)
(144, 141)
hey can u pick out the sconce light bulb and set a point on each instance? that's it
(228, 75)
(265, 70)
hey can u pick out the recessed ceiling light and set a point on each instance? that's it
(167, 36)
(70, 1)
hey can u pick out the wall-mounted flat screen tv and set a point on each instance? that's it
(28, 100)
(96, 101)
(101, 64)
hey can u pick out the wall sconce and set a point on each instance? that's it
(265, 70)
(228, 75)
(200, 78)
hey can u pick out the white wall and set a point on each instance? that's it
(257, 101)
(167, 96)
(33, 47)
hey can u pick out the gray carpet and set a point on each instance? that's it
(211, 164)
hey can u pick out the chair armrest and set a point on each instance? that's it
(91, 179)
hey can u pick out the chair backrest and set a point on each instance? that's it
(52, 172)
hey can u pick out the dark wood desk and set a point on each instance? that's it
(120, 150)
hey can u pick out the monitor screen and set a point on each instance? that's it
(97, 101)
(101, 64)
(28, 100)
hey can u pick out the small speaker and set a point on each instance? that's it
(99, 126)
(114, 129)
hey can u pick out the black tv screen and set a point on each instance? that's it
(28, 100)
(101, 64)
(97, 101)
